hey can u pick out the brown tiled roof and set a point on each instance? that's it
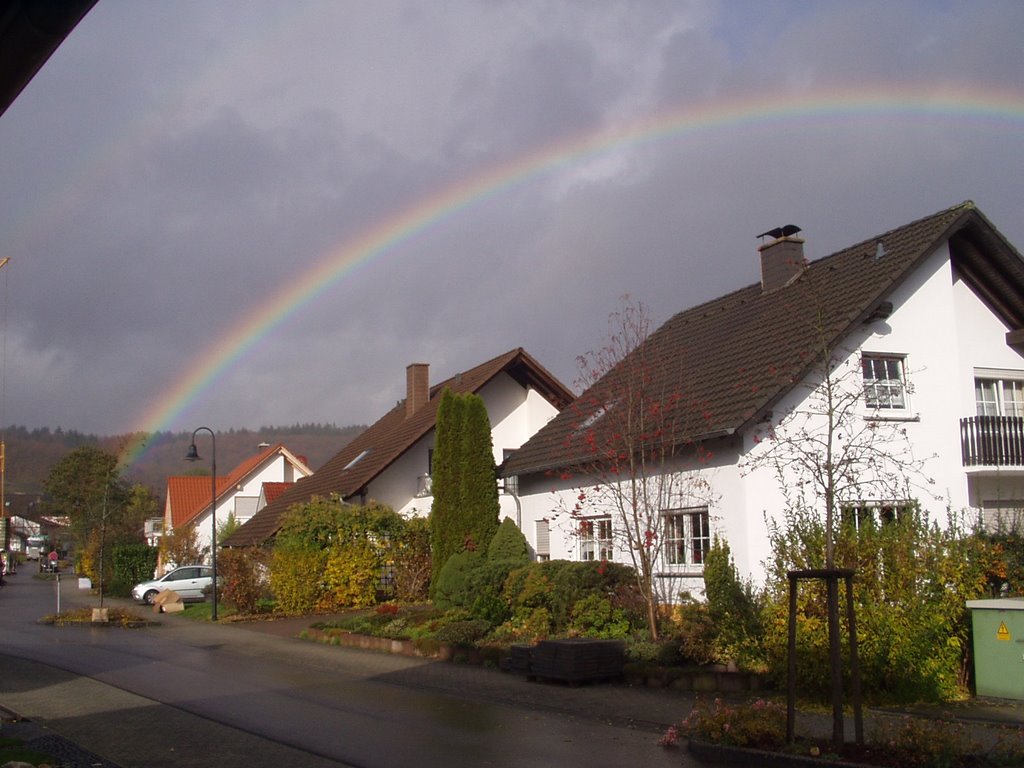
(391, 436)
(731, 359)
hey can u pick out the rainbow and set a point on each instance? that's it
(1001, 108)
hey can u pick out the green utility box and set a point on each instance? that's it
(998, 647)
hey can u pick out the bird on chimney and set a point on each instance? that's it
(787, 231)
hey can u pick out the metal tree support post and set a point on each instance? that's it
(193, 455)
(831, 578)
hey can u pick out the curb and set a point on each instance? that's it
(744, 756)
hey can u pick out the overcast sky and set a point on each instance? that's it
(175, 166)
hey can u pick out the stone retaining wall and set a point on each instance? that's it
(711, 679)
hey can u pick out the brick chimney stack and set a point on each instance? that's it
(417, 382)
(781, 260)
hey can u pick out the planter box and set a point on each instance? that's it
(741, 756)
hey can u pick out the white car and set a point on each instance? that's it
(189, 581)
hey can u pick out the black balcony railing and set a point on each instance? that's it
(996, 441)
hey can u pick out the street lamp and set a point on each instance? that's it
(193, 455)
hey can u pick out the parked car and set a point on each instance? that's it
(189, 581)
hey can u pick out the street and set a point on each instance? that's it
(181, 693)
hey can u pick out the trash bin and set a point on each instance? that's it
(998, 647)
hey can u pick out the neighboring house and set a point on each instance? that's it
(389, 462)
(928, 317)
(238, 493)
(24, 520)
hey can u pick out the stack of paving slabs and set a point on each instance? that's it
(578, 660)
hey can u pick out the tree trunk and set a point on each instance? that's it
(835, 659)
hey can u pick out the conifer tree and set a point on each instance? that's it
(480, 507)
(445, 483)
(465, 510)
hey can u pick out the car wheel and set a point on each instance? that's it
(149, 597)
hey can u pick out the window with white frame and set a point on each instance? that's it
(596, 539)
(885, 384)
(999, 395)
(687, 537)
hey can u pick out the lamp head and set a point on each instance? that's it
(193, 453)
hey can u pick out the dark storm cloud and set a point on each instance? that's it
(172, 168)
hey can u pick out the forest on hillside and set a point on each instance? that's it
(31, 453)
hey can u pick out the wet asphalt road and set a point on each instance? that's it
(191, 694)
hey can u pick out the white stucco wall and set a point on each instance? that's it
(515, 413)
(277, 469)
(945, 333)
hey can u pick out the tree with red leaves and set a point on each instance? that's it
(628, 456)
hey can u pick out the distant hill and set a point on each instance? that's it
(31, 453)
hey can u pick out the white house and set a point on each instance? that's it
(238, 494)
(923, 327)
(390, 461)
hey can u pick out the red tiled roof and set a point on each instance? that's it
(387, 439)
(733, 358)
(272, 490)
(189, 495)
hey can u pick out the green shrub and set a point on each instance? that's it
(527, 625)
(410, 562)
(694, 635)
(244, 578)
(734, 609)
(491, 607)
(463, 633)
(296, 577)
(509, 544)
(594, 616)
(132, 563)
(458, 583)
(557, 585)
(912, 581)
(350, 576)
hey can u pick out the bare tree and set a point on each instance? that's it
(833, 451)
(627, 450)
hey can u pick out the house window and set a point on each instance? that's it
(884, 383)
(999, 396)
(865, 513)
(511, 483)
(1003, 515)
(596, 539)
(687, 536)
(543, 540)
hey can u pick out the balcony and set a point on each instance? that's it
(992, 441)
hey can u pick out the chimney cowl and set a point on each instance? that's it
(417, 381)
(781, 261)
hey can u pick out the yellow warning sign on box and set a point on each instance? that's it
(1002, 633)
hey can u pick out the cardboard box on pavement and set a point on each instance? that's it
(167, 598)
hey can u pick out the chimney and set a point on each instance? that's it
(781, 260)
(417, 382)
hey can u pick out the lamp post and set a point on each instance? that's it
(193, 455)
